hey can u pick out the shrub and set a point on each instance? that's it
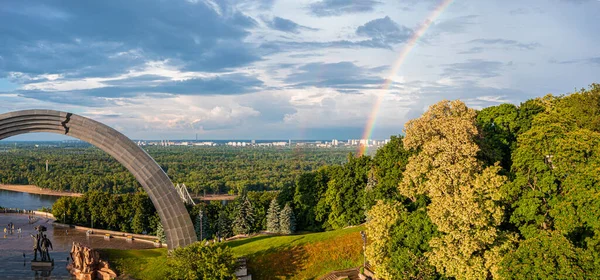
(198, 261)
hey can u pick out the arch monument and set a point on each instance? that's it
(171, 210)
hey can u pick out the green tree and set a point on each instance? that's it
(198, 261)
(201, 225)
(224, 226)
(466, 201)
(389, 163)
(380, 221)
(160, 233)
(273, 217)
(287, 222)
(343, 204)
(244, 219)
(547, 256)
(309, 189)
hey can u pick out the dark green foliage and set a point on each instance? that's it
(343, 204)
(273, 217)
(160, 233)
(221, 169)
(224, 228)
(199, 261)
(310, 188)
(499, 126)
(244, 219)
(287, 221)
(547, 256)
(389, 163)
(126, 212)
(260, 204)
(410, 241)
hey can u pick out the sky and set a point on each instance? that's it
(274, 69)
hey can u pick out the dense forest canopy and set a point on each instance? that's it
(82, 167)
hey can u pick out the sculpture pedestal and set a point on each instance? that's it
(42, 263)
(103, 273)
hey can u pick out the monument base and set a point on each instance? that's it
(42, 263)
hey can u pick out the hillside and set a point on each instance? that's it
(301, 256)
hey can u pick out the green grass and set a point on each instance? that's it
(137, 264)
(300, 256)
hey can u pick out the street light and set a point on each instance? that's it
(200, 215)
(363, 234)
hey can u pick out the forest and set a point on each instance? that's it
(82, 167)
(505, 192)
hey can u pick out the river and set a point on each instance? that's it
(22, 200)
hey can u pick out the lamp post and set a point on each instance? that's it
(363, 234)
(200, 215)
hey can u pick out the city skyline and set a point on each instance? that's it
(286, 69)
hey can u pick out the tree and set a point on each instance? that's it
(466, 201)
(202, 226)
(287, 222)
(309, 189)
(343, 204)
(160, 233)
(389, 163)
(199, 261)
(223, 226)
(273, 217)
(380, 220)
(244, 220)
(547, 256)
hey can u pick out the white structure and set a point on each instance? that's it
(184, 194)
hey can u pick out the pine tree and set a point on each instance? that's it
(245, 218)
(202, 227)
(287, 222)
(160, 233)
(223, 226)
(273, 217)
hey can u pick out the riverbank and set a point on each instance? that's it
(36, 190)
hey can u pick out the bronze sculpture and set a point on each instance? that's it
(41, 243)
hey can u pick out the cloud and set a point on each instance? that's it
(473, 68)
(382, 33)
(70, 39)
(506, 43)
(345, 76)
(149, 86)
(589, 60)
(453, 25)
(385, 30)
(286, 25)
(325, 8)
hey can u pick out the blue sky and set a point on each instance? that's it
(269, 69)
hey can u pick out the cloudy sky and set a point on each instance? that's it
(274, 69)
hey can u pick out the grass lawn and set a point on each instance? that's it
(301, 256)
(137, 264)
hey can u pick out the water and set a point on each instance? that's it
(16, 249)
(21, 200)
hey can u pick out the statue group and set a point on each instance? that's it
(41, 243)
(87, 265)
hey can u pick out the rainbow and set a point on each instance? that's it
(410, 45)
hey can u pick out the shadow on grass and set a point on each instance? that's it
(240, 242)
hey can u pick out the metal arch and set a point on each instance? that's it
(171, 210)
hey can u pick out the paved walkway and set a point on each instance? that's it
(352, 274)
(16, 250)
